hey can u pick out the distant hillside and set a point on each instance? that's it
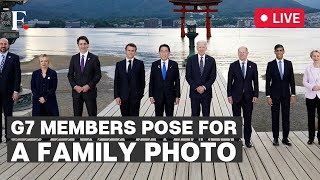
(310, 3)
(94, 9)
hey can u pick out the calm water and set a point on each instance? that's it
(222, 46)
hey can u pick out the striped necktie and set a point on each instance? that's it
(2, 63)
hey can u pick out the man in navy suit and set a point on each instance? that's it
(164, 86)
(129, 83)
(10, 79)
(241, 76)
(201, 74)
(280, 91)
(84, 74)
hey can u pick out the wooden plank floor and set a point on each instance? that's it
(262, 161)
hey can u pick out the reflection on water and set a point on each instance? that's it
(222, 46)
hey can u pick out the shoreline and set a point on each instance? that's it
(60, 62)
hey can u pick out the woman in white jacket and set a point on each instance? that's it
(311, 81)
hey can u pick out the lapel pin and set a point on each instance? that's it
(48, 77)
(88, 59)
(249, 66)
(159, 66)
(9, 57)
(170, 67)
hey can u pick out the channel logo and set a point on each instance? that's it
(279, 18)
(10, 19)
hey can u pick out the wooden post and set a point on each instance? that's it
(183, 21)
(208, 22)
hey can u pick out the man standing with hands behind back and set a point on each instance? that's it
(10, 79)
(84, 74)
(280, 91)
(201, 74)
(241, 76)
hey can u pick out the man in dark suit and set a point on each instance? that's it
(164, 86)
(129, 83)
(201, 74)
(242, 74)
(280, 91)
(10, 79)
(84, 74)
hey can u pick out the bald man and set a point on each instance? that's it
(10, 79)
(241, 76)
(201, 73)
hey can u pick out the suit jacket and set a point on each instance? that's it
(195, 79)
(275, 87)
(134, 88)
(311, 77)
(50, 86)
(91, 75)
(238, 86)
(168, 88)
(10, 78)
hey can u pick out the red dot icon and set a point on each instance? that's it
(25, 27)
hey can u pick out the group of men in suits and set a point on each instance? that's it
(243, 91)
(164, 87)
(242, 86)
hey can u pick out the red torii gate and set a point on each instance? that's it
(195, 3)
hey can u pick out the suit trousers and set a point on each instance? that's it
(130, 107)
(166, 106)
(312, 105)
(195, 109)
(91, 104)
(247, 106)
(284, 102)
(205, 105)
(6, 106)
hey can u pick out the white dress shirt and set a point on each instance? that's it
(166, 62)
(127, 63)
(85, 57)
(245, 66)
(203, 58)
(282, 63)
(5, 56)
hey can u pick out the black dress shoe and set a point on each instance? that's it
(310, 142)
(275, 142)
(286, 142)
(248, 144)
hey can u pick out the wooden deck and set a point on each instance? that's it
(262, 161)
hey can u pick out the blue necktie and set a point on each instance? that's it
(82, 63)
(2, 63)
(164, 71)
(280, 69)
(243, 71)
